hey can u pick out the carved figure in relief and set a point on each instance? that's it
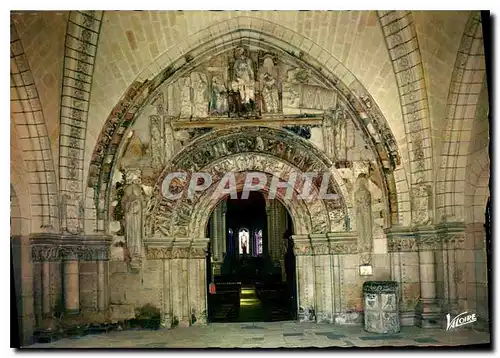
(270, 94)
(218, 98)
(244, 79)
(156, 141)
(421, 203)
(199, 85)
(363, 202)
(185, 97)
(339, 134)
(169, 142)
(133, 203)
(269, 86)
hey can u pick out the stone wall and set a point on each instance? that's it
(472, 274)
(171, 278)
(328, 277)
(23, 282)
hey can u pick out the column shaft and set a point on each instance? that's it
(71, 286)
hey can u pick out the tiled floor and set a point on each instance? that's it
(269, 335)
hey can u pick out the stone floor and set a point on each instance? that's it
(270, 335)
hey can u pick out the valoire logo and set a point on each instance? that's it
(461, 320)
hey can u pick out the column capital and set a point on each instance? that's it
(343, 242)
(320, 244)
(50, 247)
(302, 245)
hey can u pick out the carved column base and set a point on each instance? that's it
(324, 317)
(201, 320)
(184, 322)
(428, 313)
(166, 320)
(306, 314)
(450, 307)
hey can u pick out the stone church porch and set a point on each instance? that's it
(287, 334)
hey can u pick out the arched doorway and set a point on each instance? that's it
(252, 265)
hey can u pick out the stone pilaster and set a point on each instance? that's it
(428, 311)
(305, 278)
(102, 285)
(323, 278)
(403, 253)
(198, 281)
(184, 276)
(454, 241)
(162, 249)
(180, 255)
(340, 244)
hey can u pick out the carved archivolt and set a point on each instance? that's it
(246, 149)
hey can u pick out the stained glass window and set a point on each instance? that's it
(244, 239)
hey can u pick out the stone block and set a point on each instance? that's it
(349, 318)
(409, 259)
(153, 265)
(88, 299)
(380, 246)
(351, 275)
(117, 296)
(117, 266)
(350, 261)
(410, 274)
(86, 266)
(121, 312)
(87, 282)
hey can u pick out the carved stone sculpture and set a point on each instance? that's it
(269, 86)
(421, 203)
(218, 97)
(339, 134)
(185, 97)
(199, 85)
(169, 141)
(244, 79)
(156, 144)
(133, 203)
(363, 202)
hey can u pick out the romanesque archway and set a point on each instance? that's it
(249, 149)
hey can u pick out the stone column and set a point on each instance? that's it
(305, 278)
(45, 254)
(38, 291)
(222, 242)
(428, 312)
(323, 278)
(71, 279)
(198, 281)
(217, 237)
(46, 289)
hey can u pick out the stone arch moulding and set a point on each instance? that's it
(463, 98)
(80, 51)
(255, 149)
(27, 115)
(222, 37)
